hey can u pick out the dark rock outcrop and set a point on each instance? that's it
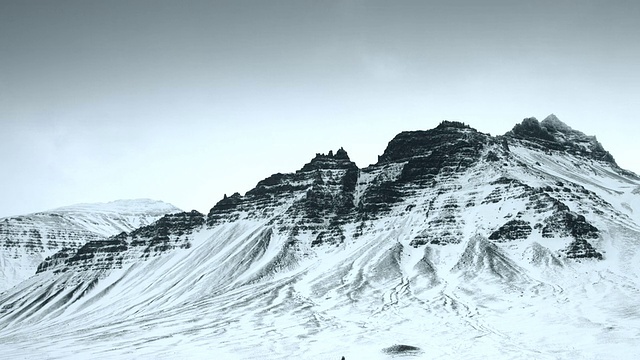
(319, 198)
(553, 134)
(581, 249)
(567, 223)
(450, 147)
(512, 230)
(168, 233)
(421, 157)
(402, 350)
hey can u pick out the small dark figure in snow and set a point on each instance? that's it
(343, 358)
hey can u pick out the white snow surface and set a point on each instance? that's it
(245, 289)
(116, 216)
(28, 239)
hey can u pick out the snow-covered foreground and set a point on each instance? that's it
(466, 301)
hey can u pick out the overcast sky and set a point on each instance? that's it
(184, 101)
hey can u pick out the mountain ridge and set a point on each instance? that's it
(26, 240)
(514, 246)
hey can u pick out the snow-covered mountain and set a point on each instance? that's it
(26, 240)
(454, 245)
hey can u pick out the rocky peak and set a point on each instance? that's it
(553, 134)
(452, 124)
(339, 160)
(446, 137)
(530, 128)
(324, 185)
(553, 124)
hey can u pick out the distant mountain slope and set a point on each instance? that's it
(26, 240)
(454, 245)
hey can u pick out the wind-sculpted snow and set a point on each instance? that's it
(462, 301)
(496, 250)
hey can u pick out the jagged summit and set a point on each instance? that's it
(553, 134)
(551, 129)
(329, 182)
(339, 160)
(552, 122)
(323, 185)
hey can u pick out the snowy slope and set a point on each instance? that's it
(116, 216)
(455, 245)
(26, 240)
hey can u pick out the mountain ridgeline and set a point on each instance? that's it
(331, 192)
(25, 241)
(451, 227)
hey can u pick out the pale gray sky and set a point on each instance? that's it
(184, 101)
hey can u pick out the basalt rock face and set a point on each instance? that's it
(318, 198)
(424, 172)
(449, 148)
(170, 232)
(167, 233)
(553, 134)
(416, 160)
(512, 230)
(41, 232)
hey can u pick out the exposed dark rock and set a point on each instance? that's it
(452, 124)
(507, 187)
(330, 161)
(421, 158)
(327, 183)
(333, 195)
(18, 233)
(447, 147)
(90, 249)
(512, 230)
(52, 261)
(492, 156)
(553, 134)
(443, 237)
(380, 196)
(333, 236)
(531, 128)
(97, 255)
(161, 235)
(505, 181)
(566, 223)
(581, 249)
(402, 350)
(167, 233)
